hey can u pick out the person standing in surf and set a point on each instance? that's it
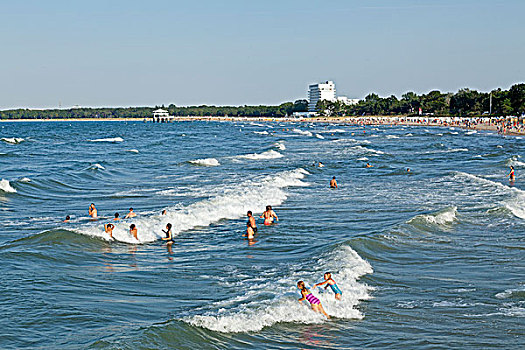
(314, 302)
(93, 211)
(131, 214)
(169, 236)
(333, 183)
(512, 177)
(133, 231)
(251, 225)
(330, 283)
(269, 215)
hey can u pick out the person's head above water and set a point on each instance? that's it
(511, 167)
(301, 285)
(117, 215)
(92, 205)
(268, 207)
(132, 226)
(327, 275)
(333, 178)
(249, 213)
(164, 212)
(68, 217)
(130, 209)
(168, 226)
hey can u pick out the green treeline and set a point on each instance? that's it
(465, 102)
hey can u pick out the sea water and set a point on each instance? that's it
(431, 258)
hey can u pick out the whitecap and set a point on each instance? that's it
(206, 162)
(319, 136)
(111, 139)
(96, 166)
(132, 150)
(302, 132)
(261, 132)
(25, 180)
(280, 145)
(13, 140)
(443, 217)
(271, 154)
(5, 186)
(392, 137)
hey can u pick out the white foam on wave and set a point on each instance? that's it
(271, 154)
(332, 131)
(96, 166)
(274, 299)
(110, 139)
(392, 137)
(132, 150)
(319, 136)
(261, 132)
(409, 134)
(302, 132)
(472, 132)
(24, 180)
(443, 217)
(5, 186)
(206, 162)
(13, 140)
(280, 145)
(515, 162)
(514, 198)
(233, 203)
(367, 150)
(362, 158)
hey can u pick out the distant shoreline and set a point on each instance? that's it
(369, 120)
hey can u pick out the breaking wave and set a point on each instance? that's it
(5, 186)
(112, 139)
(302, 132)
(232, 204)
(206, 162)
(271, 154)
(441, 218)
(13, 140)
(265, 304)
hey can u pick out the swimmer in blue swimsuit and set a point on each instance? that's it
(330, 283)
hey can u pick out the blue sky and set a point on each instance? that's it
(144, 53)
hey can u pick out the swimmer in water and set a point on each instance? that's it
(117, 217)
(133, 231)
(251, 224)
(164, 212)
(169, 236)
(109, 229)
(131, 214)
(68, 218)
(408, 170)
(512, 177)
(368, 165)
(333, 183)
(320, 165)
(330, 283)
(92, 211)
(307, 295)
(269, 215)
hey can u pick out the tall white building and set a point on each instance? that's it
(318, 92)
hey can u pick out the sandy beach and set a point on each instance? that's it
(478, 124)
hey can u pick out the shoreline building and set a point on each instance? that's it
(162, 116)
(318, 92)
